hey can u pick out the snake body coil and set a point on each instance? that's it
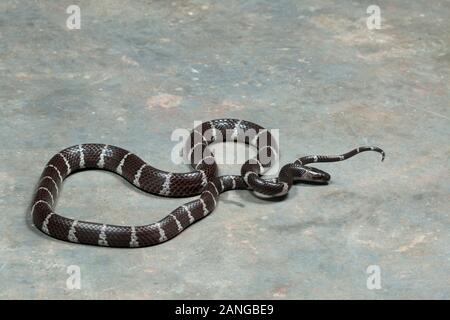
(203, 181)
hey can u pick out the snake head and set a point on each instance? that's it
(314, 175)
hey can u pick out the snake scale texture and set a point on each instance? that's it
(203, 181)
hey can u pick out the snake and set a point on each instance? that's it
(203, 181)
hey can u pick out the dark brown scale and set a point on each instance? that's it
(182, 217)
(131, 165)
(40, 212)
(51, 172)
(59, 163)
(150, 180)
(50, 184)
(59, 226)
(147, 236)
(118, 236)
(87, 232)
(42, 194)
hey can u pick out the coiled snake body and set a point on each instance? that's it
(203, 181)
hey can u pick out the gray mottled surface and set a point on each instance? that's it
(138, 70)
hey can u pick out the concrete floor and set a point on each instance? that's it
(135, 71)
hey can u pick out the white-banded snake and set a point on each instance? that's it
(202, 181)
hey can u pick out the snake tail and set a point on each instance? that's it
(334, 158)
